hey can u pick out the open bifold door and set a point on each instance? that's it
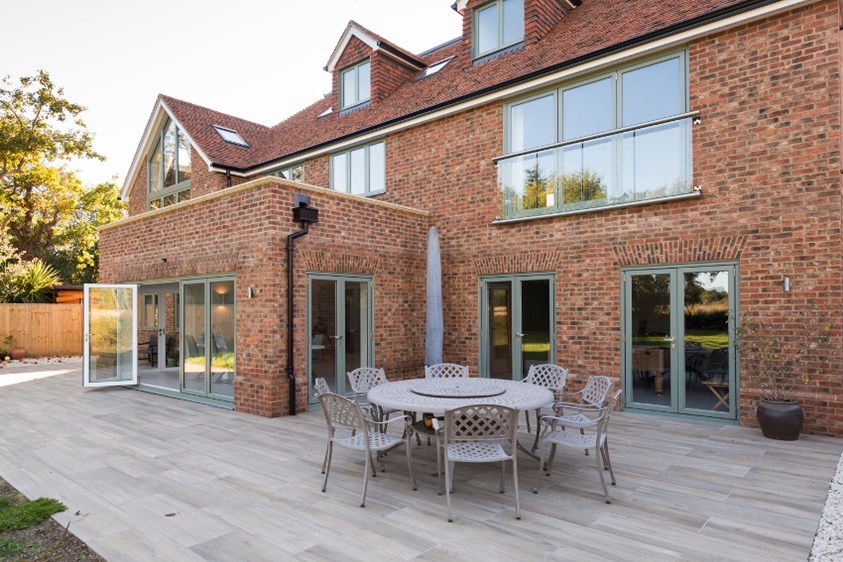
(110, 335)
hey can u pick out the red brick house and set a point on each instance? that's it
(612, 182)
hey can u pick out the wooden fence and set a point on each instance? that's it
(43, 330)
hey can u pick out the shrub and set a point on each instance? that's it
(27, 282)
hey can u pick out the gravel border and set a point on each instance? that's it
(828, 543)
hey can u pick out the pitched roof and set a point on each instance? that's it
(595, 27)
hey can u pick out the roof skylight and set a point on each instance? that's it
(230, 136)
(435, 67)
(327, 112)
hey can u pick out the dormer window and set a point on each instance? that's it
(168, 167)
(356, 85)
(497, 25)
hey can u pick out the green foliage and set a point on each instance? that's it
(10, 548)
(47, 212)
(27, 282)
(28, 514)
(784, 353)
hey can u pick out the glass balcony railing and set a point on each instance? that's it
(630, 165)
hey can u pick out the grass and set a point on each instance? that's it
(710, 339)
(221, 361)
(17, 515)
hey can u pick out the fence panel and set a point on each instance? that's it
(43, 329)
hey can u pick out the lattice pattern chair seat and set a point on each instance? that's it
(344, 413)
(476, 451)
(477, 434)
(445, 371)
(554, 434)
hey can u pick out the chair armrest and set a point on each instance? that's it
(407, 420)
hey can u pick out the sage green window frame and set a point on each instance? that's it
(500, 44)
(613, 135)
(358, 99)
(367, 169)
(515, 279)
(206, 281)
(180, 191)
(677, 327)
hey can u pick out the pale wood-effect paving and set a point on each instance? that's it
(241, 487)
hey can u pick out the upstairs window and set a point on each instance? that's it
(615, 139)
(355, 85)
(360, 171)
(497, 25)
(168, 168)
(292, 173)
(230, 136)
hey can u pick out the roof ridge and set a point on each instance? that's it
(167, 98)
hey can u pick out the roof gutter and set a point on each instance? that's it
(722, 13)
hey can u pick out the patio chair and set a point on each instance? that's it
(552, 377)
(362, 380)
(592, 396)
(445, 371)
(476, 434)
(344, 413)
(553, 434)
(320, 386)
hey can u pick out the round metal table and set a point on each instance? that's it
(415, 395)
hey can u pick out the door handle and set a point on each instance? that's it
(671, 340)
(339, 337)
(520, 335)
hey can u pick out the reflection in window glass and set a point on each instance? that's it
(339, 172)
(194, 337)
(358, 171)
(652, 92)
(150, 312)
(363, 82)
(184, 158)
(356, 84)
(533, 123)
(222, 339)
(349, 87)
(377, 171)
(487, 29)
(513, 21)
(170, 155)
(587, 109)
(156, 179)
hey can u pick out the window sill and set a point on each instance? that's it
(353, 108)
(480, 59)
(604, 208)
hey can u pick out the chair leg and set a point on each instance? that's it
(439, 466)
(366, 478)
(325, 460)
(410, 464)
(515, 484)
(582, 432)
(597, 457)
(608, 461)
(446, 465)
(503, 475)
(328, 454)
(541, 466)
(527, 417)
(549, 466)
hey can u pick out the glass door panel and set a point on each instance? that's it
(500, 329)
(193, 319)
(356, 325)
(221, 340)
(517, 325)
(341, 331)
(110, 325)
(652, 338)
(679, 351)
(707, 340)
(323, 331)
(536, 324)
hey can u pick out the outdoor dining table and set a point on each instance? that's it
(435, 396)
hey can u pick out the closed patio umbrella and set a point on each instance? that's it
(434, 329)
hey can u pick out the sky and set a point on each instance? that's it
(261, 60)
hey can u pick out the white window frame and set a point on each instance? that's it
(500, 45)
(341, 85)
(366, 160)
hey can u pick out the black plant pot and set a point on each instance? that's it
(780, 420)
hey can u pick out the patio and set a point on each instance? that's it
(152, 478)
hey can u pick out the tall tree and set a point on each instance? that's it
(48, 213)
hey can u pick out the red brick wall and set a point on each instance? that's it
(387, 75)
(539, 17)
(244, 232)
(766, 155)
